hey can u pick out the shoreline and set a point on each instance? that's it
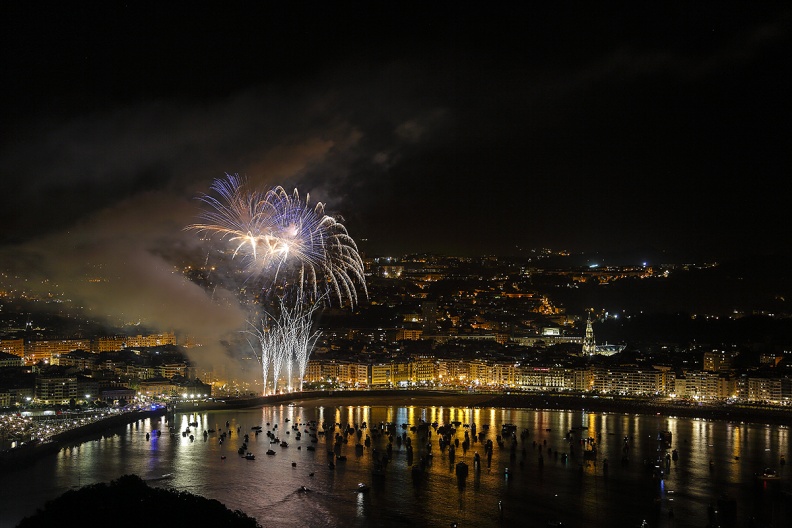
(549, 402)
(727, 413)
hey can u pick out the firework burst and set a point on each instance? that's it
(282, 237)
(303, 256)
(284, 342)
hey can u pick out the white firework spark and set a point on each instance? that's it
(281, 235)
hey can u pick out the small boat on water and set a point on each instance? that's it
(361, 487)
(461, 470)
(250, 456)
(768, 474)
(270, 452)
(508, 428)
(166, 476)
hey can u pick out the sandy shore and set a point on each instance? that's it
(559, 402)
(398, 399)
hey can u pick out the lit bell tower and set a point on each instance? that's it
(589, 345)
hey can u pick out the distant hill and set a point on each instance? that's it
(749, 285)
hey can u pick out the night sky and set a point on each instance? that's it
(440, 127)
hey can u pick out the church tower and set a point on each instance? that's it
(589, 346)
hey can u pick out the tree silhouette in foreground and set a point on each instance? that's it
(130, 502)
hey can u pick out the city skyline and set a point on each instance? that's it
(622, 128)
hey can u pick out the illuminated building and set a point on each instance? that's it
(589, 345)
(541, 378)
(408, 334)
(764, 389)
(120, 342)
(44, 350)
(719, 360)
(15, 347)
(56, 390)
(11, 360)
(380, 375)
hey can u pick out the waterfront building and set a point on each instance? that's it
(358, 374)
(313, 371)
(401, 373)
(380, 375)
(156, 388)
(542, 378)
(117, 395)
(351, 373)
(480, 373)
(424, 369)
(452, 372)
(505, 374)
(628, 379)
(763, 389)
(192, 389)
(699, 384)
(56, 390)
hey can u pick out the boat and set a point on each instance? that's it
(270, 452)
(250, 456)
(664, 437)
(361, 487)
(166, 476)
(508, 428)
(461, 470)
(768, 474)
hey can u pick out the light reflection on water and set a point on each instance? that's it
(576, 491)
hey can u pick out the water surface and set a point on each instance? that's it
(716, 460)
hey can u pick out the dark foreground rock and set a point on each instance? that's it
(129, 502)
